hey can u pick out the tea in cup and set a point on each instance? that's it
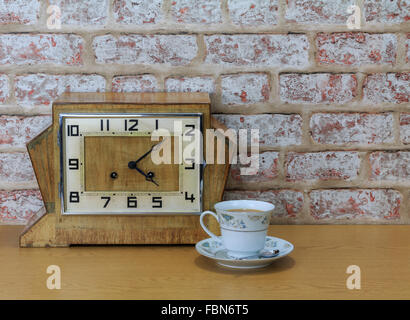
(244, 225)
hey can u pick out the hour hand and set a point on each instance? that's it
(149, 176)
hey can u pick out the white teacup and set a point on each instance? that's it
(243, 232)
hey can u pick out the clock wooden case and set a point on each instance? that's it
(99, 183)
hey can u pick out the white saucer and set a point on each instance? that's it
(215, 250)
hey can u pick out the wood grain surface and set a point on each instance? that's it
(41, 153)
(316, 269)
(99, 164)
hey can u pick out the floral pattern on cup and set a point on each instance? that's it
(262, 218)
(243, 221)
(231, 221)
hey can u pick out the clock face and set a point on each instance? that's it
(131, 163)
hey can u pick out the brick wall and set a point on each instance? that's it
(332, 104)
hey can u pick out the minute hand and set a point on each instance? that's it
(144, 155)
(149, 151)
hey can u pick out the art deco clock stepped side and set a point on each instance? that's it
(110, 215)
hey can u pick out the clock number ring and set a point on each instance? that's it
(201, 221)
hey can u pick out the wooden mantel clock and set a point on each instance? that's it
(96, 174)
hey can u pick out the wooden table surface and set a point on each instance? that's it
(316, 269)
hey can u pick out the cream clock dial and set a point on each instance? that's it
(107, 164)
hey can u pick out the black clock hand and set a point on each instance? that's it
(149, 151)
(140, 171)
(149, 176)
(144, 155)
(133, 164)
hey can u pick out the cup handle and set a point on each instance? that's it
(201, 221)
